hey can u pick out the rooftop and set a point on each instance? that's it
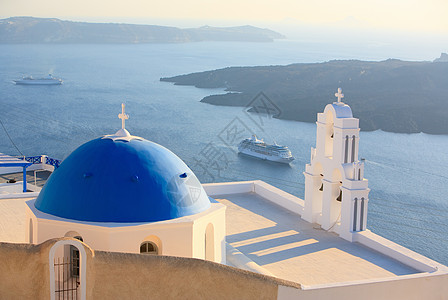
(273, 237)
(292, 249)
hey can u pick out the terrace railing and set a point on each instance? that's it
(44, 159)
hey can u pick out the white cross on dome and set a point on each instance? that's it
(123, 116)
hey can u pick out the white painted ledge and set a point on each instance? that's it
(15, 190)
(279, 197)
(19, 195)
(11, 188)
(397, 252)
(415, 286)
(261, 188)
(241, 261)
(228, 188)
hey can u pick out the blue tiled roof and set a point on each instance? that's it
(108, 180)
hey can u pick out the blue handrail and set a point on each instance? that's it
(34, 159)
(53, 162)
(48, 160)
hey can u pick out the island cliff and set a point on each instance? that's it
(23, 30)
(392, 95)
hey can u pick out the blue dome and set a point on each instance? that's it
(107, 180)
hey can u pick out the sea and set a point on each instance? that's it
(407, 173)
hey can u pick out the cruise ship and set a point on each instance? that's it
(50, 80)
(258, 148)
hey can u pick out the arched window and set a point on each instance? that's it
(355, 214)
(353, 148)
(149, 248)
(346, 150)
(361, 225)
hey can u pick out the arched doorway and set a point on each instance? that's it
(66, 282)
(210, 243)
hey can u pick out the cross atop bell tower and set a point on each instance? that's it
(123, 116)
(339, 95)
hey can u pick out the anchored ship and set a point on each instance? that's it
(258, 148)
(50, 80)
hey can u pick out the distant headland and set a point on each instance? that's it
(25, 30)
(392, 95)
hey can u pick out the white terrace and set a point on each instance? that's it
(266, 234)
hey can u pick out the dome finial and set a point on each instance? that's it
(123, 116)
(122, 134)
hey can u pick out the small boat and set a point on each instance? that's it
(50, 80)
(258, 148)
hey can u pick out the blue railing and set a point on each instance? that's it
(48, 160)
(34, 159)
(53, 162)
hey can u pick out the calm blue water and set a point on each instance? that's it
(406, 172)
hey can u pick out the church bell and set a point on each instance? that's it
(339, 198)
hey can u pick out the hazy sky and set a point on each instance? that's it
(409, 15)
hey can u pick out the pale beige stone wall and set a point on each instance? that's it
(24, 274)
(134, 276)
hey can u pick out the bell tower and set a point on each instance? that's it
(336, 192)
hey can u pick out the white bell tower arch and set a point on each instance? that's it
(336, 192)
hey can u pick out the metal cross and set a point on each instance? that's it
(123, 116)
(339, 95)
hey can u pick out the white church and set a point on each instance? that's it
(123, 193)
(125, 218)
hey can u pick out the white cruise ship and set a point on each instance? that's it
(50, 80)
(258, 148)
